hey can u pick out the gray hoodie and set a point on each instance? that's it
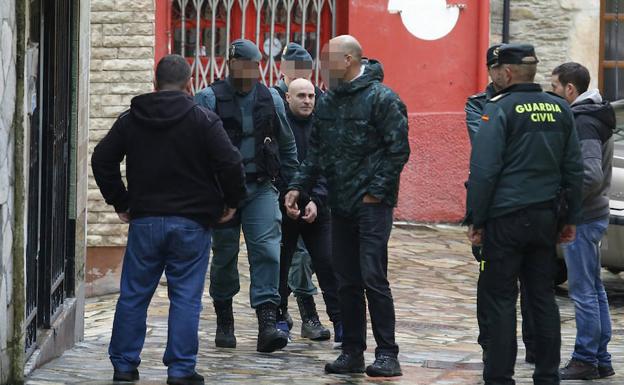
(595, 123)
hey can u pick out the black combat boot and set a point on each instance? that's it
(193, 379)
(270, 338)
(385, 365)
(347, 362)
(126, 376)
(225, 337)
(311, 326)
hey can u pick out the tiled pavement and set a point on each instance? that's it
(433, 279)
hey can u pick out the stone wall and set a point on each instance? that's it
(8, 49)
(561, 30)
(122, 61)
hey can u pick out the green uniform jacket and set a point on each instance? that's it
(474, 109)
(526, 149)
(359, 143)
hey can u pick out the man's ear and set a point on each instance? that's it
(155, 84)
(571, 91)
(288, 97)
(189, 86)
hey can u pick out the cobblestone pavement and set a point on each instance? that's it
(433, 278)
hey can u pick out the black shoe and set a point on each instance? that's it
(346, 363)
(579, 370)
(605, 371)
(126, 376)
(270, 338)
(384, 366)
(529, 357)
(193, 379)
(311, 326)
(224, 337)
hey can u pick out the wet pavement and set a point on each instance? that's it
(433, 278)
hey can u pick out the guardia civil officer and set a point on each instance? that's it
(297, 63)
(254, 118)
(526, 151)
(474, 110)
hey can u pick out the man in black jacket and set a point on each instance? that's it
(184, 175)
(314, 226)
(595, 123)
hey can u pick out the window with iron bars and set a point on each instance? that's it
(202, 30)
(612, 49)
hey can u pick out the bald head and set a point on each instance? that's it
(347, 45)
(300, 97)
(341, 60)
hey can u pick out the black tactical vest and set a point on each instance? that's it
(264, 121)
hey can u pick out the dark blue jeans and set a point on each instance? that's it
(593, 321)
(360, 260)
(180, 247)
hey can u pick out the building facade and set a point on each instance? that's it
(433, 55)
(44, 58)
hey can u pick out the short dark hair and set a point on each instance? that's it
(172, 71)
(574, 73)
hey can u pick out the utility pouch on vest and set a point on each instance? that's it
(269, 152)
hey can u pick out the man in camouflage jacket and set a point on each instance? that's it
(360, 145)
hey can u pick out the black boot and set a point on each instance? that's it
(384, 366)
(311, 326)
(347, 362)
(126, 376)
(225, 337)
(193, 379)
(270, 338)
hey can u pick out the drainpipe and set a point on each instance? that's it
(483, 43)
(506, 15)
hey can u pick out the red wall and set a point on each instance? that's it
(433, 78)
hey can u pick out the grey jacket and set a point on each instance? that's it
(595, 123)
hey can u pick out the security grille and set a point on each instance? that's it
(49, 244)
(201, 31)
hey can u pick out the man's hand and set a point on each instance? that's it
(475, 236)
(568, 234)
(370, 199)
(290, 202)
(124, 217)
(228, 214)
(311, 211)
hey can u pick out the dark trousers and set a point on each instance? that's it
(520, 243)
(527, 321)
(360, 249)
(317, 239)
